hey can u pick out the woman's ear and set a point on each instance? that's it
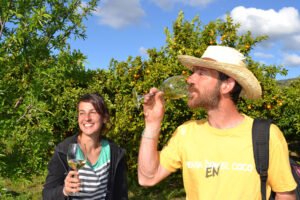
(227, 86)
(105, 119)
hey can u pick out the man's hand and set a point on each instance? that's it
(154, 107)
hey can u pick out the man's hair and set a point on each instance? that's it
(235, 93)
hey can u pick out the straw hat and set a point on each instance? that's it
(229, 61)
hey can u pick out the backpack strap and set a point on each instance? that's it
(260, 141)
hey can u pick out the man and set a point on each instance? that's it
(215, 154)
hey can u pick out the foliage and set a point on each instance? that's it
(40, 79)
(172, 190)
(24, 190)
(289, 113)
(190, 38)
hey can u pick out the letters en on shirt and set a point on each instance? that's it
(215, 168)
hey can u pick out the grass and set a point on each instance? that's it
(169, 189)
(22, 189)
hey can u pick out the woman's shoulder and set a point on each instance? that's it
(114, 146)
(111, 142)
(63, 145)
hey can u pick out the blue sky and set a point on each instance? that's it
(122, 28)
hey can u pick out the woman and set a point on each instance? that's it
(104, 175)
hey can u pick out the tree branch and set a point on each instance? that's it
(18, 102)
(27, 110)
(63, 21)
(2, 24)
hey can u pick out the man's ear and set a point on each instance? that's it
(227, 86)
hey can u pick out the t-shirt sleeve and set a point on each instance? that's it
(280, 176)
(170, 155)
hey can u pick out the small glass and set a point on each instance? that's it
(74, 162)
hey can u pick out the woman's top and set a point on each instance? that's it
(94, 178)
(58, 169)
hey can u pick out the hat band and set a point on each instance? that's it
(210, 59)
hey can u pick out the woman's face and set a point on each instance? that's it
(90, 122)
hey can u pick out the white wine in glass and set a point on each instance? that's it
(75, 161)
(174, 87)
(76, 164)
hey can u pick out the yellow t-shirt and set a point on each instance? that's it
(219, 164)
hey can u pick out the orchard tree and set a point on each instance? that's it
(288, 114)
(189, 38)
(41, 79)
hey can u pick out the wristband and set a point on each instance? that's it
(150, 137)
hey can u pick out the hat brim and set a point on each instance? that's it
(251, 88)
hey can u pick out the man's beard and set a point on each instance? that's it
(207, 99)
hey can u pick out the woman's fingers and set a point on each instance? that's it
(72, 183)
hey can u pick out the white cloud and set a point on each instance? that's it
(168, 4)
(283, 26)
(263, 55)
(291, 60)
(143, 51)
(120, 13)
(291, 43)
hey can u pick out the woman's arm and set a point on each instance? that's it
(53, 188)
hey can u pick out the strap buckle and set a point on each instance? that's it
(263, 175)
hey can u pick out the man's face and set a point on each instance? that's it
(204, 88)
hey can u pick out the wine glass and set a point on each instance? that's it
(77, 158)
(174, 87)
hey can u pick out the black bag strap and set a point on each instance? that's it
(260, 141)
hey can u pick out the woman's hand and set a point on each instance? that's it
(72, 183)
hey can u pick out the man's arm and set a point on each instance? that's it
(280, 175)
(285, 195)
(150, 171)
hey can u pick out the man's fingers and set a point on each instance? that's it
(154, 94)
(159, 96)
(150, 97)
(153, 90)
